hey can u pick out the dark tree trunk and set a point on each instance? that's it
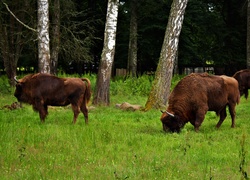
(11, 42)
(55, 43)
(132, 51)
(248, 35)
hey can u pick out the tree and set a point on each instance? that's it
(132, 48)
(55, 43)
(12, 37)
(162, 82)
(101, 95)
(43, 36)
(248, 34)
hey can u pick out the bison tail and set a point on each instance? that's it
(87, 94)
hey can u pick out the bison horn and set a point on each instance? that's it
(16, 79)
(170, 114)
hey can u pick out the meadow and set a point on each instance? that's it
(119, 144)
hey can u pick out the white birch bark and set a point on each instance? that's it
(109, 38)
(161, 86)
(43, 36)
(107, 58)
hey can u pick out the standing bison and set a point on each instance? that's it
(41, 90)
(243, 78)
(196, 94)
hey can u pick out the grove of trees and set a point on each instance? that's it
(213, 33)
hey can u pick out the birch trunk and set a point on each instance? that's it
(161, 85)
(43, 36)
(101, 95)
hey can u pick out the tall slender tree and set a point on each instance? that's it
(101, 94)
(162, 82)
(55, 43)
(132, 49)
(43, 36)
(12, 37)
(248, 34)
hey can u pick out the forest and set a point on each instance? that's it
(214, 33)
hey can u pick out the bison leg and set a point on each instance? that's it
(43, 112)
(246, 93)
(232, 113)
(200, 115)
(223, 115)
(76, 111)
(84, 110)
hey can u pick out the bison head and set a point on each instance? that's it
(171, 122)
(20, 91)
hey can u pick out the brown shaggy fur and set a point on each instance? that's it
(243, 78)
(41, 90)
(196, 94)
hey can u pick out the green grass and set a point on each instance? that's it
(119, 144)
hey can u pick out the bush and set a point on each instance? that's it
(140, 86)
(5, 87)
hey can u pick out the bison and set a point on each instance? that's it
(243, 78)
(196, 94)
(41, 90)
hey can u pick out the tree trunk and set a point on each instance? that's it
(161, 85)
(55, 36)
(11, 43)
(248, 35)
(132, 51)
(43, 36)
(101, 95)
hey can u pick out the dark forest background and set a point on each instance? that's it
(214, 34)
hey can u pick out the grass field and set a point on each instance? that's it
(120, 144)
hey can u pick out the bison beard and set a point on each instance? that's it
(41, 90)
(196, 94)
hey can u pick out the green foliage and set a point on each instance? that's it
(119, 144)
(5, 87)
(214, 31)
(140, 86)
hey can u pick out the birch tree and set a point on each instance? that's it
(101, 95)
(43, 36)
(161, 85)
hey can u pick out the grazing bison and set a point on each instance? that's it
(196, 94)
(41, 90)
(243, 78)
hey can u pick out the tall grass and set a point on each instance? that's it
(120, 144)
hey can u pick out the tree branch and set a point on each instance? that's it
(18, 19)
